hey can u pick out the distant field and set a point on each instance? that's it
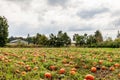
(33, 63)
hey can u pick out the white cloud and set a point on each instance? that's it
(72, 16)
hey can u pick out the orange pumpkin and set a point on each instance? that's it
(100, 61)
(64, 61)
(85, 66)
(23, 73)
(17, 71)
(112, 68)
(62, 71)
(35, 68)
(119, 75)
(28, 68)
(93, 69)
(48, 75)
(103, 68)
(89, 77)
(52, 68)
(74, 69)
(117, 65)
(72, 72)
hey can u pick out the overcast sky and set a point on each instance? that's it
(71, 16)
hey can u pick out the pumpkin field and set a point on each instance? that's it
(59, 63)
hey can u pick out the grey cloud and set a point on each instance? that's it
(116, 22)
(53, 22)
(57, 2)
(82, 28)
(47, 25)
(24, 4)
(109, 28)
(86, 14)
(24, 29)
(113, 25)
(21, 30)
(116, 14)
(19, 1)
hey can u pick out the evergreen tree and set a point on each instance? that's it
(98, 36)
(3, 31)
(28, 39)
(118, 35)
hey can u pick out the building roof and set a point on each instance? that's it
(18, 40)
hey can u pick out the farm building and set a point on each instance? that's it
(18, 41)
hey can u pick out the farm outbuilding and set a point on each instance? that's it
(18, 41)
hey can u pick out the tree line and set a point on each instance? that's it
(61, 39)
